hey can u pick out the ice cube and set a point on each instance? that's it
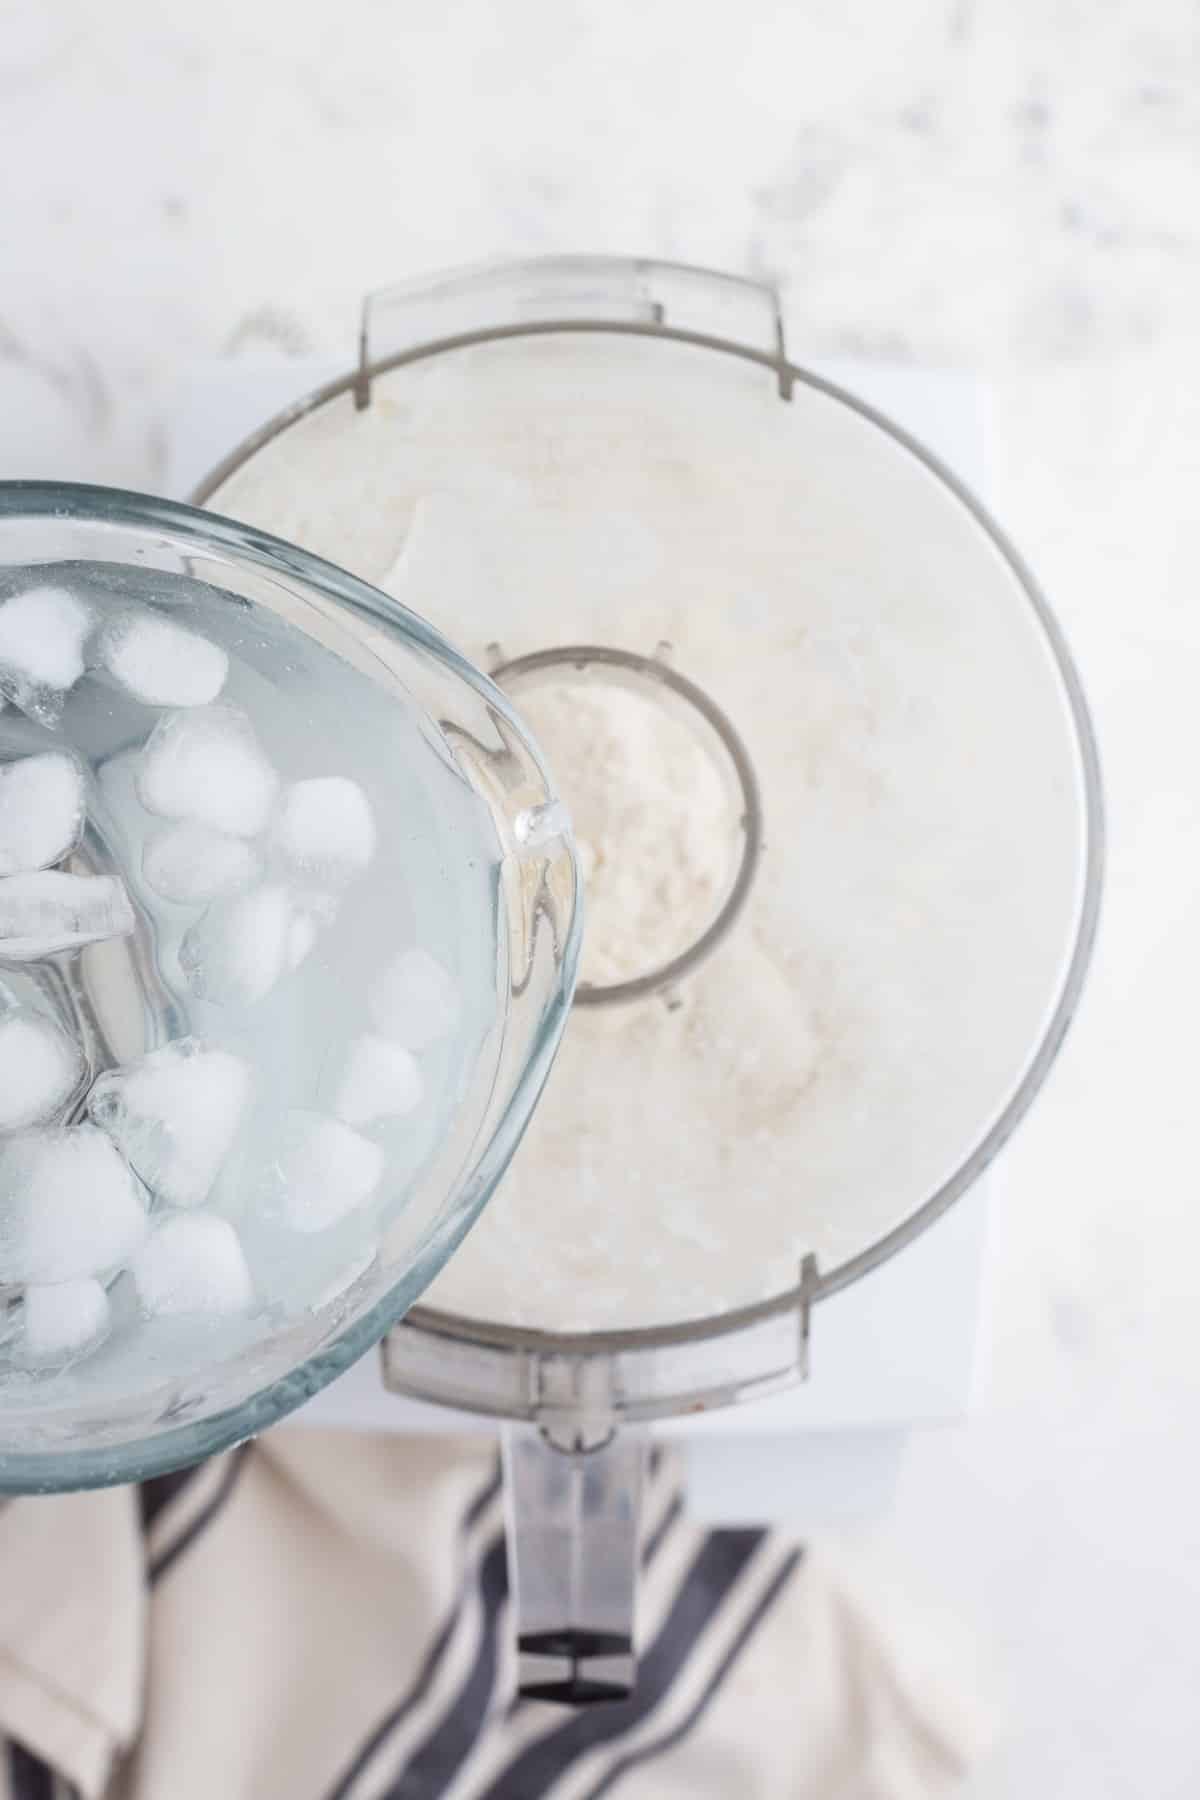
(41, 810)
(160, 662)
(379, 1080)
(415, 1000)
(42, 636)
(319, 905)
(320, 1171)
(312, 911)
(192, 1263)
(48, 912)
(174, 1115)
(69, 1206)
(209, 766)
(236, 953)
(193, 864)
(40, 1068)
(302, 935)
(64, 1320)
(324, 829)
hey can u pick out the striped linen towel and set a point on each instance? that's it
(324, 1616)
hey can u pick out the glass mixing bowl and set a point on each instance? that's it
(455, 780)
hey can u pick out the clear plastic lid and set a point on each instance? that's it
(576, 467)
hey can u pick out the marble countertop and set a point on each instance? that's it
(1003, 185)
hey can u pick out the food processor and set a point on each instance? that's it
(642, 426)
(503, 884)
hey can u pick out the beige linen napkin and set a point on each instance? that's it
(325, 1616)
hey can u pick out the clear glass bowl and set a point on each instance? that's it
(521, 914)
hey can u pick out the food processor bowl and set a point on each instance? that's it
(599, 386)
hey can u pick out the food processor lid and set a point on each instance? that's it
(585, 459)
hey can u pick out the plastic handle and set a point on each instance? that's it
(637, 292)
(573, 1534)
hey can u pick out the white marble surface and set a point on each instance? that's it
(1005, 184)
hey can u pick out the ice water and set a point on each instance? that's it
(249, 920)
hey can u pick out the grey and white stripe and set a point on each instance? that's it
(705, 1595)
(424, 1748)
(192, 1510)
(711, 1661)
(29, 1778)
(456, 1730)
(447, 1664)
(716, 1566)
